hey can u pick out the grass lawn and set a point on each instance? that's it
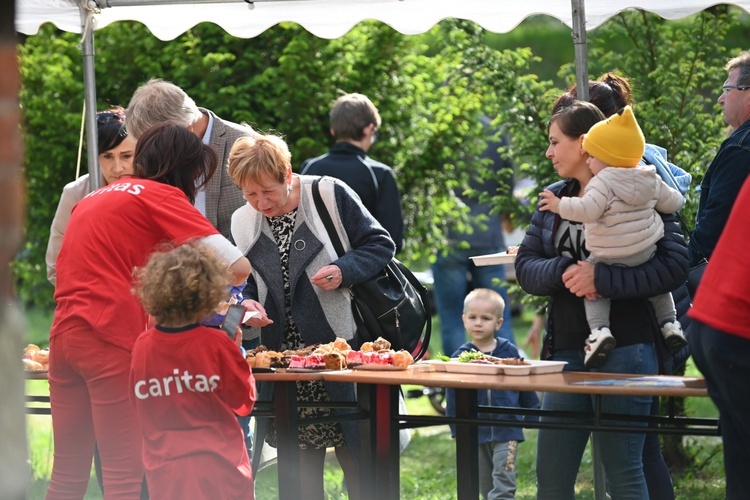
(703, 480)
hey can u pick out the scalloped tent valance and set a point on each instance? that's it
(167, 19)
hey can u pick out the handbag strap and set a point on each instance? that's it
(325, 217)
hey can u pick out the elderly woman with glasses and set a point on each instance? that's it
(116, 151)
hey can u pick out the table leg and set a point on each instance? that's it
(287, 431)
(467, 445)
(379, 442)
(600, 480)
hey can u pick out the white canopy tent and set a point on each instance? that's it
(167, 19)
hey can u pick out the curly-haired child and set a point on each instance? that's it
(188, 381)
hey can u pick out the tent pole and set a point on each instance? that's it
(581, 52)
(89, 92)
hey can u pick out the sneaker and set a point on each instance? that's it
(673, 336)
(598, 345)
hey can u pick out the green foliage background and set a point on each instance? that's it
(430, 90)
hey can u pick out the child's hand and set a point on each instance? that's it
(548, 201)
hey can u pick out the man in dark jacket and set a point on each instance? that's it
(731, 165)
(354, 125)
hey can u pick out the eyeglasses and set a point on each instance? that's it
(108, 116)
(727, 88)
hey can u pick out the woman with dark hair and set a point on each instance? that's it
(112, 231)
(551, 262)
(116, 152)
(610, 93)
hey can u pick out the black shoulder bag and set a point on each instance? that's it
(393, 304)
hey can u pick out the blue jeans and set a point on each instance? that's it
(451, 286)
(559, 452)
(724, 360)
(497, 470)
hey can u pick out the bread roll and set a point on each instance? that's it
(381, 344)
(263, 360)
(334, 361)
(41, 356)
(32, 366)
(341, 344)
(250, 358)
(402, 358)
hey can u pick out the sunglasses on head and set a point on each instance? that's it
(108, 116)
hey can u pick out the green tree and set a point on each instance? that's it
(430, 90)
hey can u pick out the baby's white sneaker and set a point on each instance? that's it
(673, 336)
(598, 345)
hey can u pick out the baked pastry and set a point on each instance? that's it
(402, 359)
(32, 366)
(262, 360)
(334, 361)
(381, 344)
(341, 344)
(31, 347)
(41, 356)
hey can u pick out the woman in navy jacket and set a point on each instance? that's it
(550, 263)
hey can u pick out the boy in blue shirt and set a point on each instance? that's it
(483, 315)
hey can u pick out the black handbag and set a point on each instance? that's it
(393, 304)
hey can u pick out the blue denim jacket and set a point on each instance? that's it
(510, 399)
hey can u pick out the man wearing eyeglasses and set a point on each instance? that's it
(731, 165)
(158, 101)
(354, 124)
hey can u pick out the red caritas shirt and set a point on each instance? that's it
(111, 231)
(723, 297)
(185, 384)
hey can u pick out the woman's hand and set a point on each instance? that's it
(579, 278)
(548, 201)
(328, 277)
(259, 320)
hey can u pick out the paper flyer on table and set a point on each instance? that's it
(637, 382)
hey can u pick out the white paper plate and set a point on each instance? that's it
(542, 366)
(534, 367)
(474, 368)
(436, 364)
(494, 259)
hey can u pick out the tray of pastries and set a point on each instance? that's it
(336, 355)
(35, 359)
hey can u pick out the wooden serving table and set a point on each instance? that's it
(378, 395)
(380, 419)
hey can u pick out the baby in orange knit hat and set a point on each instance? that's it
(618, 209)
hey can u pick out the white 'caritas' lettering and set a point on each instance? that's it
(175, 384)
(125, 187)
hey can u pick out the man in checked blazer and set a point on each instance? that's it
(158, 101)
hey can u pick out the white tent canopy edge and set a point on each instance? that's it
(167, 19)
